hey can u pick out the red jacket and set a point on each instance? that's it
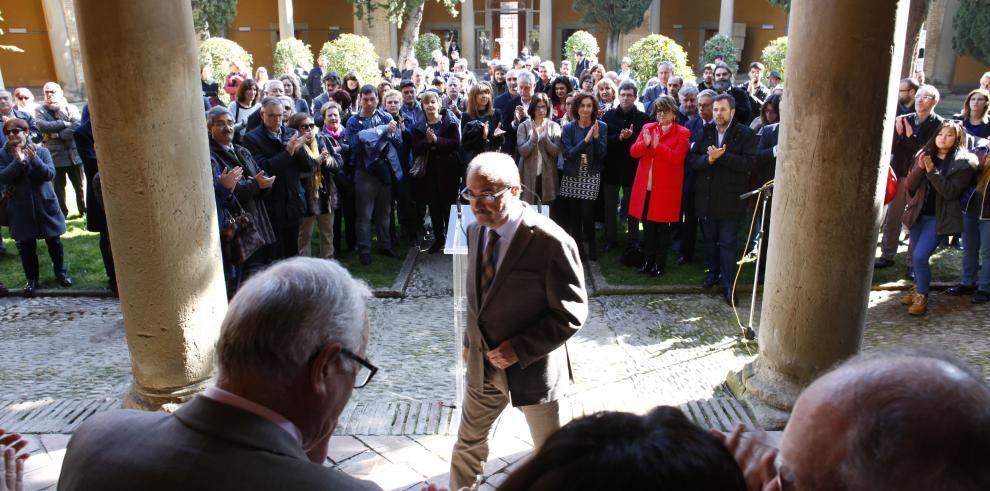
(667, 160)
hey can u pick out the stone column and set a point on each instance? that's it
(158, 192)
(828, 198)
(939, 55)
(60, 20)
(725, 18)
(546, 30)
(286, 21)
(655, 17)
(467, 34)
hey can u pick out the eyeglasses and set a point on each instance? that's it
(50, 92)
(924, 97)
(23, 98)
(365, 373)
(306, 126)
(13, 131)
(485, 198)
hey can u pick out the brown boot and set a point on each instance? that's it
(909, 298)
(920, 305)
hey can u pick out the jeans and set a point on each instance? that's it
(74, 173)
(374, 203)
(976, 249)
(924, 240)
(721, 238)
(29, 257)
(610, 196)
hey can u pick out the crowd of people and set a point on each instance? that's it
(359, 161)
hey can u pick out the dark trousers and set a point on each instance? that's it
(74, 173)
(29, 257)
(610, 193)
(344, 219)
(578, 216)
(107, 255)
(656, 238)
(685, 233)
(439, 213)
(405, 211)
(721, 238)
(286, 242)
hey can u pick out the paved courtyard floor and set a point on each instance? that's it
(67, 358)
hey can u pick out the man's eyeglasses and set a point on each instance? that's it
(13, 131)
(50, 92)
(485, 197)
(924, 97)
(23, 98)
(365, 372)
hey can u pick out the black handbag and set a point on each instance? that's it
(240, 237)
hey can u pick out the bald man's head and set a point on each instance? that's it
(894, 421)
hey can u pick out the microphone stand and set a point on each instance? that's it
(765, 192)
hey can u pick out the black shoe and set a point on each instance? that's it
(883, 263)
(647, 268)
(436, 247)
(365, 259)
(728, 297)
(681, 260)
(3, 290)
(981, 297)
(30, 288)
(909, 274)
(64, 280)
(960, 289)
(710, 282)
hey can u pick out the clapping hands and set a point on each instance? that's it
(12, 445)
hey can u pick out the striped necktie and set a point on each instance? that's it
(488, 263)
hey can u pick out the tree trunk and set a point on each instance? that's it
(917, 13)
(612, 50)
(410, 34)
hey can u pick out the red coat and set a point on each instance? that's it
(667, 160)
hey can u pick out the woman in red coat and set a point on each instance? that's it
(656, 192)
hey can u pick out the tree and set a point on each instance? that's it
(972, 29)
(218, 53)
(407, 15)
(618, 16)
(291, 51)
(721, 45)
(581, 41)
(211, 17)
(648, 52)
(774, 55)
(351, 52)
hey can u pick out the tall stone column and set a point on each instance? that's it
(546, 30)
(939, 54)
(466, 40)
(286, 21)
(158, 191)
(655, 17)
(725, 18)
(60, 20)
(827, 197)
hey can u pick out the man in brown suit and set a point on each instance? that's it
(526, 297)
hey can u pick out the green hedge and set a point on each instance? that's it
(351, 52)
(294, 51)
(721, 45)
(217, 52)
(774, 56)
(581, 41)
(648, 52)
(425, 46)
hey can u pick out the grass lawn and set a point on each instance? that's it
(85, 266)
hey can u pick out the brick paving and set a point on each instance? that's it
(67, 358)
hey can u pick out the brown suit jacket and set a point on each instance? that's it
(205, 445)
(536, 301)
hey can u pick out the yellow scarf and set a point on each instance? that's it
(313, 150)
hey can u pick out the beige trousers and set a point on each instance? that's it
(480, 409)
(325, 223)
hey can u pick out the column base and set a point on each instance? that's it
(769, 395)
(167, 400)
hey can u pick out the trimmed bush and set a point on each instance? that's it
(425, 46)
(581, 41)
(648, 52)
(720, 45)
(351, 52)
(218, 52)
(292, 51)
(774, 56)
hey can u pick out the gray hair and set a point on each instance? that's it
(269, 101)
(931, 90)
(214, 113)
(271, 83)
(525, 75)
(688, 91)
(665, 64)
(282, 316)
(5, 93)
(496, 167)
(708, 93)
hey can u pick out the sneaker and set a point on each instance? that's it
(981, 297)
(920, 305)
(960, 289)
(883, 263)
(909, 298)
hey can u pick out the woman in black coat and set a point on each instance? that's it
(96, 219)
(33, 210)
(480, 129)
(437, 139)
